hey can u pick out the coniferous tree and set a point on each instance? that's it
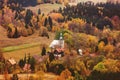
(39, 11)
(28, 17)
(15, 77)
(25, 59)
(32, 63)
(50, 22)
(29, 57)
(45, 23)
(43, 51)
(21, 63)
(51, 57)
(60, 10)
(16, 34)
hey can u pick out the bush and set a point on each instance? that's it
(56, 67)
(56, 16)
(95, 75)
(24, 32)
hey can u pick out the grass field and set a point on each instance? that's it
(45, 8)
(17, 48)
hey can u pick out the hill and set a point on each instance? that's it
(45, 8)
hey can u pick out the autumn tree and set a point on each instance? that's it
(43, 32)
(101, 46)
(2, 63)
(68, 39)
(78, 76)
(107, 69)
(108, 49)
(116, 22)
(64, 75)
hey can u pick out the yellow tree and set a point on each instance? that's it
(108, 49)
(66, 74)
(101, 46)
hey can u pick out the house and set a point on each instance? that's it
(12, 61)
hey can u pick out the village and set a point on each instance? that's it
(59, 40)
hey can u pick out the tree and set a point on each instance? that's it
(16, 34)
(2, 59)
(60, 10)
(28, 58)
(51, 57)
(68, 39)
(21, 63)
(50, 22)
(64, 75)
(2, 67)
(45, 22)
(104, 22)
(28, 17)
(108, 48)
(32, 63)
(15, 77)
(43, 32)
(78, 76)
(43, 51)
(101, 46)
(100, 67)
(25, 59)
(39, 11)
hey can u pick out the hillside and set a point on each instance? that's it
(45, 8)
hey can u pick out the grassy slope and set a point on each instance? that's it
(45, 8)
(31, 44)
(17, 48)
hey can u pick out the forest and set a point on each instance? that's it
(93, 28)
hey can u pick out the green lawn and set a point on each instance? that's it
(19, 47)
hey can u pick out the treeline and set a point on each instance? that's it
(31, 2)
(91, 13)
